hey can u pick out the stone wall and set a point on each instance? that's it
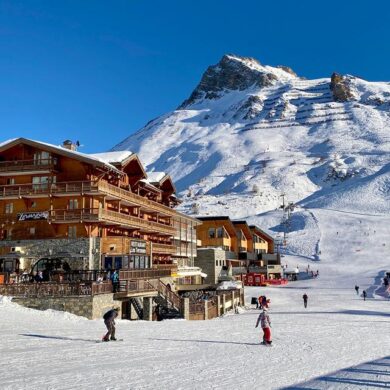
(207, 259)
(85, 306)
(82, 251)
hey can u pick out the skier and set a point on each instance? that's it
(264, 301)
(265, 323)
(357, 289)
(109, 321)
(364, 294)
(305, 298)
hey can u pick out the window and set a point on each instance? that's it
(33, 204)
(72, 231)
(73, 204)
(211, 233)
(9, 208)
(40, 182)
(10, 181)
(220, 232)
(32, 231)
(41, 158)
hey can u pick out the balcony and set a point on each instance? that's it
(73, 188)
(163, 248)
(27, 167)
(91, 215)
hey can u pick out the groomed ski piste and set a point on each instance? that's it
(338, 342)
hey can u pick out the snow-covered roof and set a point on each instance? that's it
(113, 157)
(61, 150)
(155, 177)
(150, 185)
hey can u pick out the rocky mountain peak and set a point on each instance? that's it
(236, 73)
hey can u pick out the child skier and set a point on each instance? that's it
(265, 323)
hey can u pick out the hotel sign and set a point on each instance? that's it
(35, 216)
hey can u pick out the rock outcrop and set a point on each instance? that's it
(231, 73)
(340, 86)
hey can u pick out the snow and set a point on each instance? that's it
(332, 161)
(155, 177)
(338, 342)
(112, 157)
(338, 330)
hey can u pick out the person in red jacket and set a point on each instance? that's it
(265, 323)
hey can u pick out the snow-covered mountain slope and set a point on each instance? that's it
(249, 133)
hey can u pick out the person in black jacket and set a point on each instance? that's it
(305, 298)
(109, 321)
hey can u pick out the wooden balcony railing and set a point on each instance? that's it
(134, 286)
(139, 223)
(28, 165)
(163, 248)
(84, 187)
(120, 193)
(143, 274)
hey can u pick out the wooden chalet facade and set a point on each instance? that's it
(98, 210)
(243, 247)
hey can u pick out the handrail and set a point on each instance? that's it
(163, 289)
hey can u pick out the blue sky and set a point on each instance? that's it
(96, 71)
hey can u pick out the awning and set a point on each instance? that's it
(203, 275)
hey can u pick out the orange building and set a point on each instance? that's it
(97, 210)
(243, 248)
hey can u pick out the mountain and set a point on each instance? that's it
(249, 133)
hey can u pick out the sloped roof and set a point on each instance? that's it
(113, 157)
(260, 231)
(89, 158)
(156, 177)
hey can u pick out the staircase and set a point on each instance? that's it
(169, 301)
(138, 307)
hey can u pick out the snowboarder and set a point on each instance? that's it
(265, 323)
(364, 294)
(357, 289)
(305, 298)
(109, 321)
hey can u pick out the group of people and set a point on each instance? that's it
(364, 293)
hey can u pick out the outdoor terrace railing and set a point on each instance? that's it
(48, 289)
